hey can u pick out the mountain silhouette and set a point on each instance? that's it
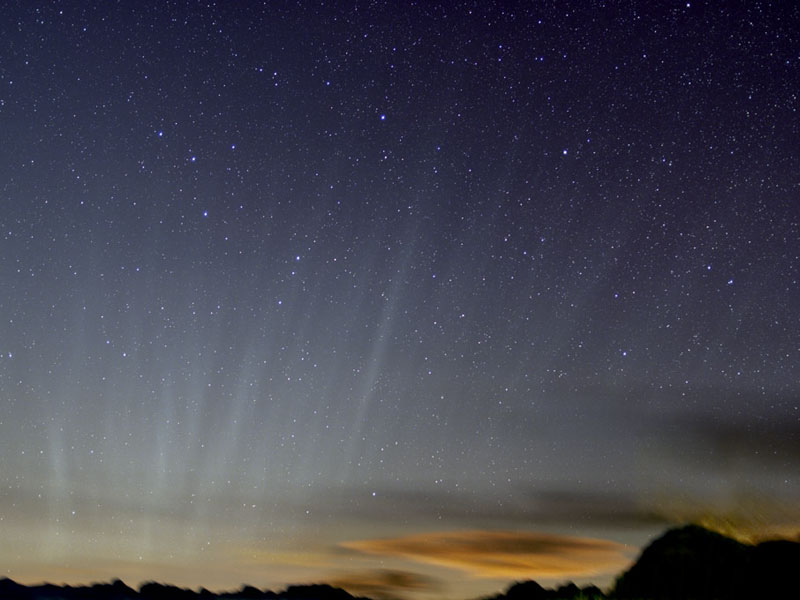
(117, 590)
(690, 563)
(693, 563)
(686, 563)
(531, 590)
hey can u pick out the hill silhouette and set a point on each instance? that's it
(690, 563)
(531, 590)
(693, 563)
(117, 590)
(686, 563)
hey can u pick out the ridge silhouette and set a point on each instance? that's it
(693, 563)
(117, 590)
(685, 563)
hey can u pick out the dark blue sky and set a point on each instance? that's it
(280, 279)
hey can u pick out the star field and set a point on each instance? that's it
(280, 279)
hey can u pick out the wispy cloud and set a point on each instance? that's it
(503, 553)
(750, 516)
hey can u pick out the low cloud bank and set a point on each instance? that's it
(492, 554)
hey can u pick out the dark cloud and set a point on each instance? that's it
(528, 505)
(718, 428)
(602, 508)
(729, 440)
(514, 554)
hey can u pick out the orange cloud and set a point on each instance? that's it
(503, 553)
(386, 584)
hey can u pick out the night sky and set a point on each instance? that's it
(413, 298)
